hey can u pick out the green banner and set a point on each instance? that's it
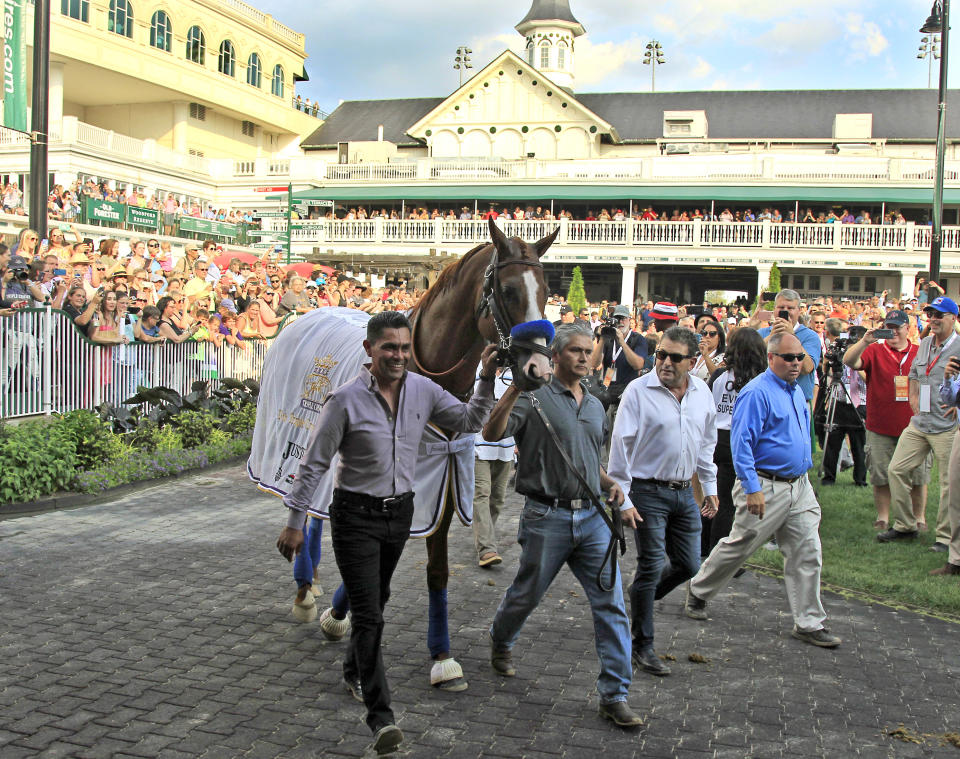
(103, 210)
(143, 217)
(14, 66)
(209, 227)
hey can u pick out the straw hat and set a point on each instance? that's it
(117, 269)
(196, 287)
(79, 258)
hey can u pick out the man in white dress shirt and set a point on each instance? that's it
(665, 431)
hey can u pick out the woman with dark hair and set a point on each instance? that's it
(171, 327)
(711, 346)
(745, 358)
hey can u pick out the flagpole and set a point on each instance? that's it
(39, 119)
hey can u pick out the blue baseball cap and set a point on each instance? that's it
(945, 306)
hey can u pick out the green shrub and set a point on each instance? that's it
(148, 437)
(95, 443)
(241, 419)
(39, 459)
(195, 427)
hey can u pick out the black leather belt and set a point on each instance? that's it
(671, 484)
(776, 477)
(560, 503)
(374, 503)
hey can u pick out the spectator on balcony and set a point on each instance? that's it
(847, 218)
(808, 217)
(776, 217)
(726, 215)
(864, 218)
(749, 215)
(12, 196)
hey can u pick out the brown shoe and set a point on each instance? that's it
(946, 569)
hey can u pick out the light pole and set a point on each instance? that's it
(929, 49)
(939, 23)
(39, 167)
(462, 62)
(653, 58)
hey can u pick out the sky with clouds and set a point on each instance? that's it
(372, 49)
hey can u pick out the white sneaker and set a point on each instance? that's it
(333, 628)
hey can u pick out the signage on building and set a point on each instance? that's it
(104, 210)
(143, 217)
(14, 66)
(209, 227)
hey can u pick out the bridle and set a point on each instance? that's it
(491, 303)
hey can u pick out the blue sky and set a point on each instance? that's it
(371, 49)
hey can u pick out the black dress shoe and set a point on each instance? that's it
(353, 687)
(892, 535)
(940, 548)
(648, 661)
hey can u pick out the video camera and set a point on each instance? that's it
(608, 327)
(836, 349)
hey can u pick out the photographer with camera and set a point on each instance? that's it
(839, 410)
(931, 427)
(885, 356)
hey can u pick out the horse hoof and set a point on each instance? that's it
(332, 628)
(447, 675)
(316, 590)
(305, 609)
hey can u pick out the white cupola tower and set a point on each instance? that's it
(550, 30)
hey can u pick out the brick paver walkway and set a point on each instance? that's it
(158, 625)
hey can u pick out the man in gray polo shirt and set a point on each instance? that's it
(931, 428)
(557, 525)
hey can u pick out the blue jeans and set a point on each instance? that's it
(550, 537)
(671, 527)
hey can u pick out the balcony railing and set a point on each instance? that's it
(908, 238)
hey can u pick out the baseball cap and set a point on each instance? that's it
(565, 310)
(896, 317)
(944, 305)
(621, 311)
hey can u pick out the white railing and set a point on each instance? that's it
(906, 238)
(370, 172)
(48, 366)
(246, 10)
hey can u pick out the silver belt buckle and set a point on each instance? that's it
(389, 502)
(576, 505)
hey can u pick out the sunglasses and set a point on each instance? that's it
(709, 334)
(675, 358)
(791, 357)
(153, 245)
(203, 268)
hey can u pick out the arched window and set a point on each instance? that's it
(253, 70)
(228, 59)
(196, 45)
(161, 31)
(120, 18)
(78, 9)
(531, 50)
(562, 55)
(544, 55)
(276, 86)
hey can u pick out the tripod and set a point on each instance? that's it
(835, 391)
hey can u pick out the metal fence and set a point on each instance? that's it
(47, 365)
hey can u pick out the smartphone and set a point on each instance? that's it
(883, 334)
(783, 314)
(44, 243)
(59, 272)
(64, 227)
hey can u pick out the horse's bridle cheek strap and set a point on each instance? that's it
(525, 345)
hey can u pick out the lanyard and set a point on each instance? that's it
(942, 351)
(619, 349)
(906, 355)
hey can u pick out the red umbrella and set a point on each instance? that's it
(305, 268)
(223, 260)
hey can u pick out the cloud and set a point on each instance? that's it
(701, 69)
(865, 37)
(599, 62)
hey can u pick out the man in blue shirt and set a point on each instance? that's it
(770, 441)
(789, 301)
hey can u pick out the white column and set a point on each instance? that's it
(55, 107)
(763, 276)
(643, 284)
(628, 287)
(908, 280)
(181, 112)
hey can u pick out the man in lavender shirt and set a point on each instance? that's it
(375, 423)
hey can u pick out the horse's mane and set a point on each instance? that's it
(448, 277)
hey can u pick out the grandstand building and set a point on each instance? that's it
(518, 134)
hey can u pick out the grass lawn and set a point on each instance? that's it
(854, 560)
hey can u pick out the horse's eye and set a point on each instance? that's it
(510, 293)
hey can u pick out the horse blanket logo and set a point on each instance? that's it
(311, 357)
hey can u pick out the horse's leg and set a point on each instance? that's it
(333, 622)
(304, 568)
(446, 672)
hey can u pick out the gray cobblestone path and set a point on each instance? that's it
(158, 625)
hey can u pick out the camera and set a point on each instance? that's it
(608, 328)
(22, 274)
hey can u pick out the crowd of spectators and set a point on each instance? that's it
(147, 294)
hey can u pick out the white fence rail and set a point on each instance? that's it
(907, 238)
(47, 365)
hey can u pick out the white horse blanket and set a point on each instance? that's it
(315, 354)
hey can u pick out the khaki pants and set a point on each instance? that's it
(490, 488)
(954, 501)
(912, 448)
(792, 514)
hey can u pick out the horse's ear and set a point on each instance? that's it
(498, 237)
(541, 246)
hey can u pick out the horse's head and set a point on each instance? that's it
(518, 292)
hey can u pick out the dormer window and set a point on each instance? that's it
(544, 55)
(562, 55)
